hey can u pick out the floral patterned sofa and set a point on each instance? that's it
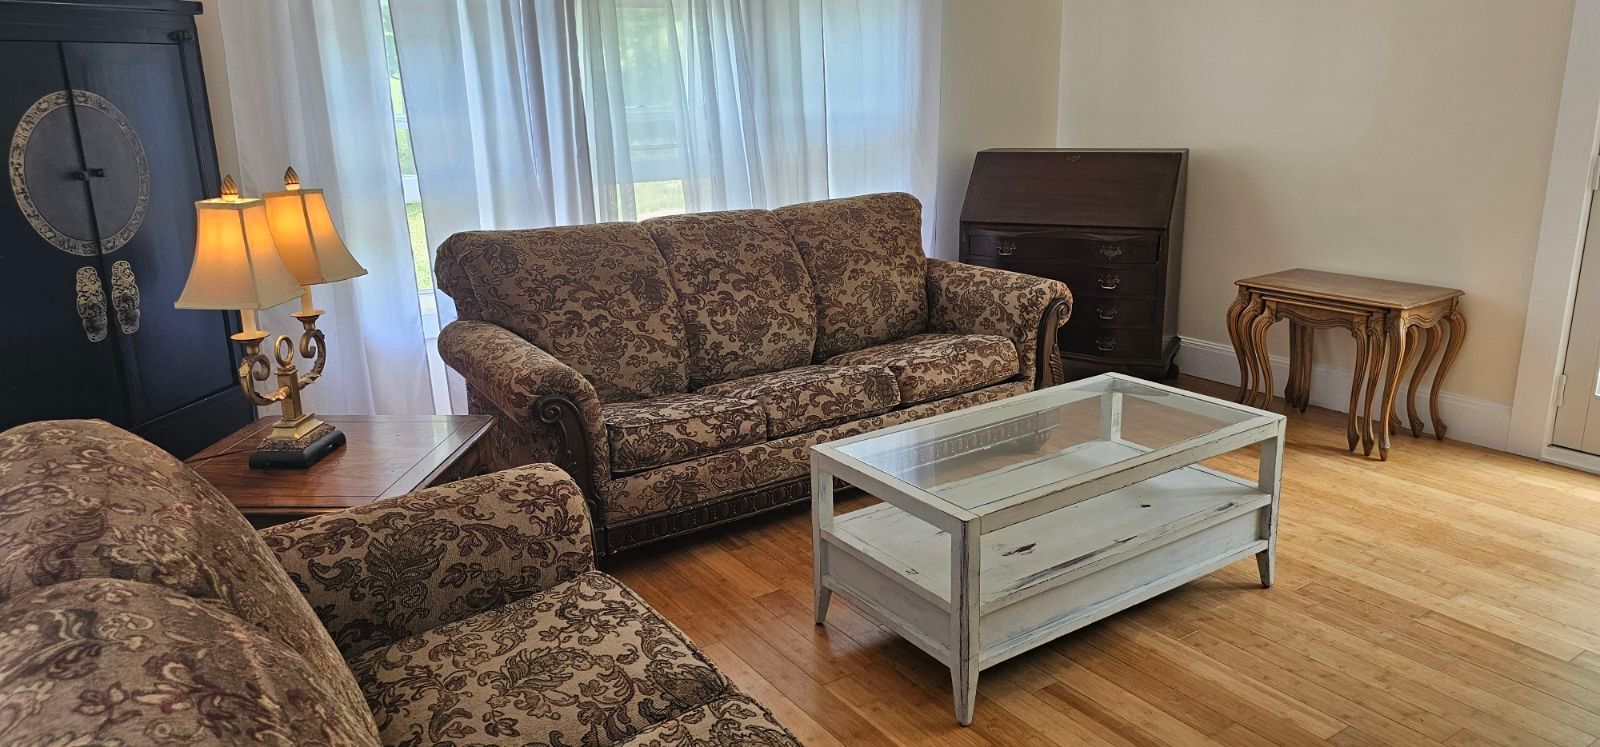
(680, 368)
(138, 607)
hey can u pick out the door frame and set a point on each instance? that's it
(1565, 223)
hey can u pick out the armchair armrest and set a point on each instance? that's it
(1027, 310)
(381, 572)
(551, 408)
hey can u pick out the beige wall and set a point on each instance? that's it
(1405, 139)
(998, 87)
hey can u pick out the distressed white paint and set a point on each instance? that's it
(1109, 526)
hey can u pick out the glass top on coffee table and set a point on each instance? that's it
(990, 458)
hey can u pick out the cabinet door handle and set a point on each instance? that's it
(91, 302)
(1006, 248)
(125, 296)
(1110, 251)
(1105, 313)
(1110, 281)
(1105, 344)
(83, 176)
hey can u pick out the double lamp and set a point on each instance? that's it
(252, 254)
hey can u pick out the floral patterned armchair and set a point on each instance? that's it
(138, 607)
(681, 368)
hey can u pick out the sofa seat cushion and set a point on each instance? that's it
(734, 720)
(582, 663)
(652, 432)
(811, 397)
(929, 366)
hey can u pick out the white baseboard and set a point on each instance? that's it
(1475, 421)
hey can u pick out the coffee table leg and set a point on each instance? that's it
(965, 568)
(821, 518)
(1269, 480)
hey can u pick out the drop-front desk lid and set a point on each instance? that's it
(1075, 186)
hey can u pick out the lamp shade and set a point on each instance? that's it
(306, 238)
(236, 263)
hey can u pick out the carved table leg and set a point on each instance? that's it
(1263, 357)
(1300, 346)
(1236, 311)
(1396, 331)
(1242, 324)
(1433, 336)
(1413, 346)
(1458, 333)
(1353, 425)
(1377, 340)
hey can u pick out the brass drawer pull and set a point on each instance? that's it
(91, 302)
(125, 296)
(1110, 251)
(1105, 344)
(1104, 313)
(1006, 248)
(1110, 281)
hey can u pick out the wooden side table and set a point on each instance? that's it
(1403, 323)
(387, 455)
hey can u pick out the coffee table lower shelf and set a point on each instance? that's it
(1045, 577)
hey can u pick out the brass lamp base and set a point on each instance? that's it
(297, 453)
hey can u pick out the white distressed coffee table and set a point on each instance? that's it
(1007, 525)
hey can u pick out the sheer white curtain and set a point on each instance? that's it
(307, 86)
(530, 113)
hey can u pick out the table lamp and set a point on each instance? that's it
(246, 260)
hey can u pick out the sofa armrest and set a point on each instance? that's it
(1028, 310)
(536, 393)
(393, 568)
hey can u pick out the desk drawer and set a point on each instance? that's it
(1092, 339)
(1065, 246)
(1107, 281)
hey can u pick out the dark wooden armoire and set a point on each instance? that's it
(103, 107)
(1108, 223)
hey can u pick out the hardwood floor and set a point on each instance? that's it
(1448, 596)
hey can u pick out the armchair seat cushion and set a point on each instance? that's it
(653, 432)
(582, 663)
(811, 397)
(930, 366)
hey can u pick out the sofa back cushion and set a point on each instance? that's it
(748, 304)
(596, 297)
(82, 499)
(864, 255)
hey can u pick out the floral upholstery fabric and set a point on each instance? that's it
(582, 663)
(710, 477)
(743, 290)
(390, 569)
(967, 299)
(506, 375)
(929, 367)
(733, 721)
(83, 499)
(105, 661)
(864, 255)
(653, 432)
(811, 397)
(596, 297)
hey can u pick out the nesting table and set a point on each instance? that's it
(1404, 323)
(1007, 525)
